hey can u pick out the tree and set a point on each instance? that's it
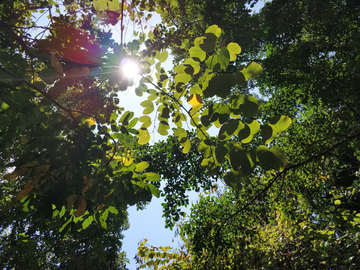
(67, 148)
(310, 74)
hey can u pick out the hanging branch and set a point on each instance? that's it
(121, 22)
(177, 101)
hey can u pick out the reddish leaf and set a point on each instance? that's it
(23, 193)
(81, 207)
(73, 44)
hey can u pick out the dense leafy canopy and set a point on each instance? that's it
(306, 216)
(74, 157)
(73, 160)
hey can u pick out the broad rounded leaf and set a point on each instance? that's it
(235, 179)
(194, 100)
(233, 49)
(197, 52)
(280, 123)
(267, 134)
(162, 57)
(208, 43)
(216, 30)
(252, 71)
(273, 158)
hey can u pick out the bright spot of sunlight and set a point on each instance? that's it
(129, 68)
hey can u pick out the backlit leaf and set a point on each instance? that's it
(141, 166)
(214, 29)
(233, 49)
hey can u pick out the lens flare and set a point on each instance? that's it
(129, 68)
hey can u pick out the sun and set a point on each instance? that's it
(129, 68)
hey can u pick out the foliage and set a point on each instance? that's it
(305, 216)
(67, 148)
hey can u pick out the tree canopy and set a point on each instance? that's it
(74, 157)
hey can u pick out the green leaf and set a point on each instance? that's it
(87, 222)
(235, 179)
(273, 158)
(197, 52)
(220, 85)
(182, 78)
(144, 136)
(113, 210)
(152, 177)
(233, 49)
(208, 43)
(214, 29)
(249, 107)
(100, 5)
(280, 123)
(220, 152)
(162, 57)
(154, 190)
(267, 134)
(141, 166)
(252, 71)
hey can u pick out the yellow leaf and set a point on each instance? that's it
(90, 121)
(194, 100)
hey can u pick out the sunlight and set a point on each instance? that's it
(129, 69)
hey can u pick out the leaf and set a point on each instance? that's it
(214, 29)
(194, 64)
(87, 222)
(220, 152)
(208, 43)
(249, 107)
(197, 52)
(267, 134)
(194, 100)
(251, 71)
(70, 201)
(220, 85)
(81, 207)
(280, 123)
(273, 158)
(48, 75)
(100, 5)
(144, 136)
(154, 190)
(141, 166)
(16, 173)
(162, 57)
(233, 49)
(246, 134)
(235, 179)
(153, 177)
(23, 193)
(55, 63)
(182, 78)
